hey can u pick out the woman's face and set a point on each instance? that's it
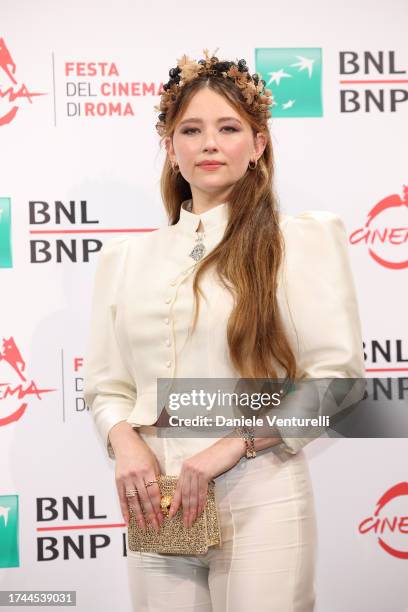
(211, 130)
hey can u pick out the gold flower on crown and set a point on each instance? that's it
(252, 87)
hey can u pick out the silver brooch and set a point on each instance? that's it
(199, 249)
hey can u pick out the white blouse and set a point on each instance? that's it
(142, 307)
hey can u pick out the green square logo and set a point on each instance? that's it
(9, 554)
(295, 78)
(5, 233)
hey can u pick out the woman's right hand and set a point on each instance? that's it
(136, 465)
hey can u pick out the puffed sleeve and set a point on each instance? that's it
(109, 389)
(319, 304)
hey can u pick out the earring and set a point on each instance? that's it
(252, 164)
(175, 168)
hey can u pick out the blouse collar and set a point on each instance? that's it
(216, 217)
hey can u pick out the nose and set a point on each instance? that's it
(209, 143)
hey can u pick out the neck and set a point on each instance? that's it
(203, 201)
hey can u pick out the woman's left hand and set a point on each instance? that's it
(197, 471)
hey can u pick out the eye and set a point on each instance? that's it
(225, 127)
(188, 130)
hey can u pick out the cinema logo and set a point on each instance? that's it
(97, 89)
(374, 83)
(385, 233)
(388, 525)
(59, 519)
(13, 396)
(12, 93)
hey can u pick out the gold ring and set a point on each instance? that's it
(165, 503)
(131, 493)
(147, 484)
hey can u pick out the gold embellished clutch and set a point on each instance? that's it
(173, 537)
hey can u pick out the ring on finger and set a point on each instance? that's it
(131, 493)
(148, 484)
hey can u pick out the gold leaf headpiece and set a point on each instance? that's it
(252, 87)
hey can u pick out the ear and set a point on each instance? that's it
(168, 143)
(260, 141)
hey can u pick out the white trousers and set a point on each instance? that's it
(269, 540)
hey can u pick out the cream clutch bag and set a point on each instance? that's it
(173, 537)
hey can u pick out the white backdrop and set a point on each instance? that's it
(347, 160)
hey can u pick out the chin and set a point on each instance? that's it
(211, 187)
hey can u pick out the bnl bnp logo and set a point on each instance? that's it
(369, 81)
(5, 233)
(9, 553)
(295, 78)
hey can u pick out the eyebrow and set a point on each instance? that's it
(198, 120)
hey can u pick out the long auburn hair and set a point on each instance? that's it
(248, 258)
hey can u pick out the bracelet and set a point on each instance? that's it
(247, 433)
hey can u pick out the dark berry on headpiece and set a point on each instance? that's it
(201, 62)
(162, 116)
(242, 65)
(176, 79)
(173, 72)
(255, 78)
(222, 66)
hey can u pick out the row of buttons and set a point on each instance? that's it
(167, 321)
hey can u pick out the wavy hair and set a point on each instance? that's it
(248, 258)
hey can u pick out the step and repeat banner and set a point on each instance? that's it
(80, 163)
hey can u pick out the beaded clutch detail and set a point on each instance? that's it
(173, 537)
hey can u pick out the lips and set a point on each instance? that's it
(210, 163)
(210, 166)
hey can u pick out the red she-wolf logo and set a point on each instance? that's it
(11, 93)
(12, 356)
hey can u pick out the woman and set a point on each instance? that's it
(277, 300)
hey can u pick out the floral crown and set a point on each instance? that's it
(252, 87)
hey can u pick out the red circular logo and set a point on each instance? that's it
(385, 234)
(381, 523)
